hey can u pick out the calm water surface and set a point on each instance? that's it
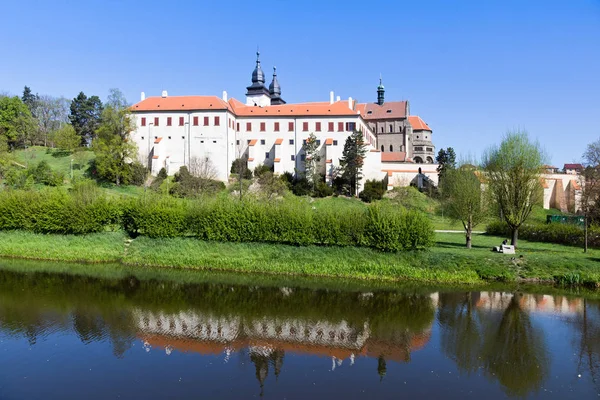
(73, 337)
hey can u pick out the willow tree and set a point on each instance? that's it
(513, 175)
(463, 198)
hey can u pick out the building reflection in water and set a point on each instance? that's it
(489, 333)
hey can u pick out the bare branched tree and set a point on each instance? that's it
(202, 167)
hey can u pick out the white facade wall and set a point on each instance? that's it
(171, 147)
(174, 146)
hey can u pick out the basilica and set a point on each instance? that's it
(173, 131)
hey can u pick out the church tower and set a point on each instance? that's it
(380, 92)
(275, 90)
(258, 94)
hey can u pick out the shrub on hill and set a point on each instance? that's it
(373, 190)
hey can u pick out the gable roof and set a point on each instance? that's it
(177, 103)
(418, 124)
(573, 166)
(389, 110)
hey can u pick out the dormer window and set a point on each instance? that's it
(369, 112)
(389, 111)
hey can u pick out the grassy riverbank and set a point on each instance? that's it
(447, 262)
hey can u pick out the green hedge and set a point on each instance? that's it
(56, 211)
(550, 233)
(291, 221)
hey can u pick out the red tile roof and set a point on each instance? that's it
(177, 103)
(328, 141)
(157, 140)
(302, 109)
(418, 124)
(252, 142)
(389, 110)
(573, 166)
(279, 141)
(277, 160)
(398, 156)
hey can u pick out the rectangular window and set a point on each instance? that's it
(248, 126)
(169, 137)
(350, 126)
(318, 142)
(237, 142)
(180, 121)
(262, 141)
(217, 121)
(248, 141)
(205, 121)
(330, 127)
(263, 126)
(293, 157)
(169, 121)
(267, 154)
(340, 127)
(143, 121)
(276, 127)
(291, 141)
(318, 127)
(238, 127)
(335, 142)
(155, 121)
(305, 126)
(195, 121)
(303, 157)
(304, 142)
(142, 138)
(290, 126)
(183, 137)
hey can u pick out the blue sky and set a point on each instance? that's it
(471, 69)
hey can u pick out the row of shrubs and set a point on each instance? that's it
(290, 221)
(568, 234)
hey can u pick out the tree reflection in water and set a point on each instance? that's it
(504, 343)
(587, 341)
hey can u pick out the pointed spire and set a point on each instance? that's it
(274, 87)
(380, 92)
(257, 75)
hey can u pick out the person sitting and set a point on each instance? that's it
(505, 242)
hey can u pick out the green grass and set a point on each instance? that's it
(448, 262)
(58, 161)
(99, 247)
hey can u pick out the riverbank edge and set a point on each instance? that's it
(436, 266)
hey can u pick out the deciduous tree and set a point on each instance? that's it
(16, 122)
(513, 175)
(463, 198)
(65, 138)
(311, 160)
(114, 151)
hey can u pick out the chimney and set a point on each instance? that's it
(224, 95)
(338, 98)
(350, 103)
(164, 94)
(143, 96)
(331, 97)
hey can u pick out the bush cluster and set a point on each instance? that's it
(373, 190)
(293, 222)
(58, 211)
(568, 234)
(85, 209)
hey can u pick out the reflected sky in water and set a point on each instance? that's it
(66, 337)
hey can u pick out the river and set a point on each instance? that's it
(72, 336)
